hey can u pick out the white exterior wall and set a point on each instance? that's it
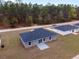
(35, 42)
(54, 38)
(23, 42)
(71, 31)
(76, 30)
(63, 32)
(46, 39)
(67, 32)
(26, 45)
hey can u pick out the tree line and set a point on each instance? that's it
(14, 14)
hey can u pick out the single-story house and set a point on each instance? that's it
(64, 29)
(37, 36)
(76, 24)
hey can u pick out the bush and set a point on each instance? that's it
(29, 21)
(2, 46)
(12, 22)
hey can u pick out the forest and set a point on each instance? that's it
(22, 14)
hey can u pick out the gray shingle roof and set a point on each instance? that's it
(66, 27)
(36, 34)
(77, 24)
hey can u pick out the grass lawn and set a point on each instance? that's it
(65, 47)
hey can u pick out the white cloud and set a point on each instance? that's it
(10, 0)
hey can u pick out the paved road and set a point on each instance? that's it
(33, 27)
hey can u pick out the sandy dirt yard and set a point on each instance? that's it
(65, 47)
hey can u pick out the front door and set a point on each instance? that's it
(40, 41)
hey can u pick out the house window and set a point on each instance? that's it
(50, 37)
(29, 43)
(72, 30)
(43, 39)
(40, 41)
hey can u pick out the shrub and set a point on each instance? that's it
(12, 22)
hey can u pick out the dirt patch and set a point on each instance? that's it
(62, 48)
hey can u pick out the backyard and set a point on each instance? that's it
(65, 47)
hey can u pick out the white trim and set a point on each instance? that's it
(63, 32)
(35, 42)
(23, 43)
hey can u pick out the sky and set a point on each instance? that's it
(44, 2)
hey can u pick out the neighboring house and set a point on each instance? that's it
(37, 36)
(77, 24)
(65, 29)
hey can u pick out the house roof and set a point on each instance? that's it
(66, 27)
(36, 34)
(77, 24)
